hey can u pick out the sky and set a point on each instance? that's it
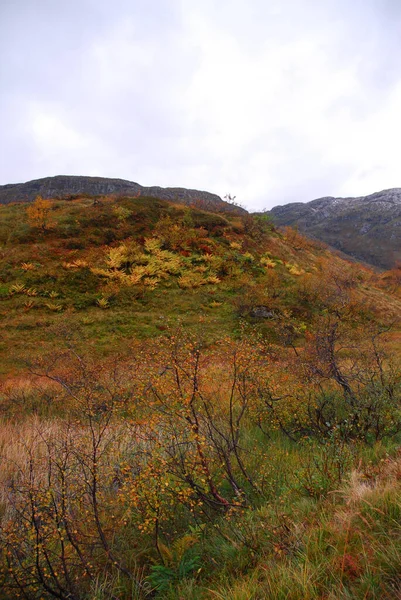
(271, 101)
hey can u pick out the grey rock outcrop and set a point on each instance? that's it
(65, 186)
(367, 228)
(262, 312)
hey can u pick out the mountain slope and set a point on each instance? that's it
(367, 228)
(192, 405)
(125, 267)
(65, 186)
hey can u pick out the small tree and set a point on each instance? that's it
(39, 213)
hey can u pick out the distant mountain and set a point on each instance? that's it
(367, 228)
(65, 186)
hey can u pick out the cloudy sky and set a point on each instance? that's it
(272, 101)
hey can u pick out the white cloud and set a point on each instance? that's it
(52, 135)
(271, 101)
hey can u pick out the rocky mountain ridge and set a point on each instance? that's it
(65, 186)
(367, 228)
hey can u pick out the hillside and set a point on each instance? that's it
(125, 267)
(193, 405)
(367, 228)
(67, 186)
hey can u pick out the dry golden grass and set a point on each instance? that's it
(18, 442)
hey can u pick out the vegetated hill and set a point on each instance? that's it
(210, 407)
(128, 267)
(67, 186)
(367, 228)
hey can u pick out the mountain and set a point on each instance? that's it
(65, 186)
(367, 228)
(124, 268)
(181, 390)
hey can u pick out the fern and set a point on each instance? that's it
(27, 266)
(191, 280)
(54, 307)
(103, 303)
(136, 275)
(166, 554)
(152, 245)
(188, 565)
(17, 288)
(152, 268)
(117, 257)
(294, 269)
(213, 279)
(151, 281)
(29, 304)
(182, 545)
(79, 264)
(31, 292)
(75, 264)
(121, 212)
(267, 262)
(178, 563)
(161, 578)
(100, 272)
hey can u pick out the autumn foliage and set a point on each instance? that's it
(39, 213)
(203, 412)
(151, 449)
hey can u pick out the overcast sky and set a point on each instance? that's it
(272, 101)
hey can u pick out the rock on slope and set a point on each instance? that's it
(367, 228)
(64, 186)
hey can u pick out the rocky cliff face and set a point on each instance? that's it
(367, 228)
(64, 186)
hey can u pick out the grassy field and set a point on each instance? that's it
(193, 406)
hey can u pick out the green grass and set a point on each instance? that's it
(320, 516)
(343, 547)
(54, 293)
